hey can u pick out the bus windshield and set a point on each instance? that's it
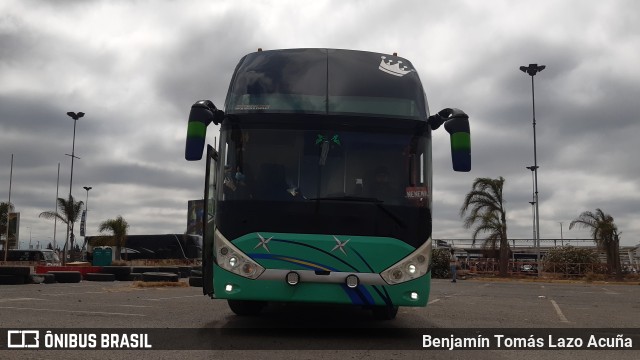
(307, 165)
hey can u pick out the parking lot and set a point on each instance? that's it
(464, 305)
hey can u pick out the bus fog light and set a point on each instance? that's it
(293, 278)
(224, 251)
(352, 281)
(414, 296)
(228, 288)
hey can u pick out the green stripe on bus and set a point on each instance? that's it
(196, 129)
(460, 141)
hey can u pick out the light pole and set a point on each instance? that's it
(561, 237)
(75, 117)
(533, 202)
(55, 208)
(532, 70)
(86, 218)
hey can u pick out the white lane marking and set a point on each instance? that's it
(77, 293)
(174, 297)
(559, 312)
(19, 299)
(609, 292)
(70, 311)
(433, 301)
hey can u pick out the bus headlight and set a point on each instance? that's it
(233, 260)
(412, 267)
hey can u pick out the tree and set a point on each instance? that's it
(5, 209)
(69, 212)
(118, 228)
(486, 212)
(605, 234)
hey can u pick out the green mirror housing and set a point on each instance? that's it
(202, 114)
(456, 122)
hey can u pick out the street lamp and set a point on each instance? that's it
(75, 117)
(86, 217)
(532, 70)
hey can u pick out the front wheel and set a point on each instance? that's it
(385, 312)
(246, 307)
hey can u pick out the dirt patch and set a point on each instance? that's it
(155, 284)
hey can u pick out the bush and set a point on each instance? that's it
(440, 263)
(573, 261)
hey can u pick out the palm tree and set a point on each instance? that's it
(69, 212)
(118, 228)
(487, 213)
(5, 209)
(605, 234)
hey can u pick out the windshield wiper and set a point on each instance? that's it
(376, 201)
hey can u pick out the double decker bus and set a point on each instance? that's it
(320, 188)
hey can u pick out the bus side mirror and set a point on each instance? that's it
(456, 122)
(202, 114)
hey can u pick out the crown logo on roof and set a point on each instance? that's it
(395, 69)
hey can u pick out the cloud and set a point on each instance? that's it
(136, 67)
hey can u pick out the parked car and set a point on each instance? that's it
(528, 268)
(40, 256)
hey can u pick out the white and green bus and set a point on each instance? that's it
(320, 188)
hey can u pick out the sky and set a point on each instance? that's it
(136, 67)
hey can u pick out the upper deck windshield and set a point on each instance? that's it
(328, 82)
(308, 165)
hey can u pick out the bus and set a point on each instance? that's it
(320, 188)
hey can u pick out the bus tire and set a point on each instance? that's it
(385, 312)
(12, 279)
(100, 277)
(121, 273)
(160, 276)
(195, 281)
(246, 307)
(67, 276)
(15, 270)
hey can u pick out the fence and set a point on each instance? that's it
(491, 266)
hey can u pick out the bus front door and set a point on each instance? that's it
(209, 221)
